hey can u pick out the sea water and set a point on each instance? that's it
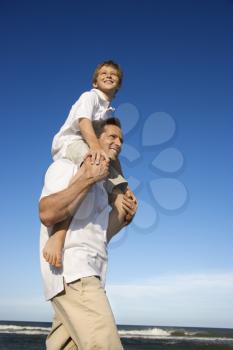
(31, 336)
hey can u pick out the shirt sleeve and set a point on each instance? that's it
(84, 107)
(58, 176)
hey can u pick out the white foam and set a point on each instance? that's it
(158, 333)
(149, 333)
(23, 329)
(144, 333)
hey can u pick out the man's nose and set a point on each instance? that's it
(118, 141)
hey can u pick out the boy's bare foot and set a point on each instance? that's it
(52, 251)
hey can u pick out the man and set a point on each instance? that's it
(83, 318)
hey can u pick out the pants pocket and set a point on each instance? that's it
(76, 285)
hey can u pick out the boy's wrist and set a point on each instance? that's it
(94, 145)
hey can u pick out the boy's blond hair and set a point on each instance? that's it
(112, 64)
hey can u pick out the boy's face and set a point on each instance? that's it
(107, 80)
(111, 141)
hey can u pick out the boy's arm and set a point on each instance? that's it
(88, 133)
(62, 205)
(122, 207)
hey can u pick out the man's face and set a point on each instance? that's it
(111, 141)
(107, 80)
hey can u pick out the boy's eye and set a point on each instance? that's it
(110, 73)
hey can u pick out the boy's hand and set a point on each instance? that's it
(97, 154)
(94, 171)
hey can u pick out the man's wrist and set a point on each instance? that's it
(87, 176)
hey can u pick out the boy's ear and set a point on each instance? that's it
(94, 85)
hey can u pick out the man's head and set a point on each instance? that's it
(107, 77)
(110, 136)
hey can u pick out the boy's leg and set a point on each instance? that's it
(84, 310)
(76, 151)
(115, 181)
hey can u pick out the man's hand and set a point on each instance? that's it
(126, 205)
(96, 172)
(122, 213)
(132, 205)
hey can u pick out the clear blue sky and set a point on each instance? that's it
(174, 265)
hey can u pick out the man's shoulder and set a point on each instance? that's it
(59, 168)
(58, 176)
(61, 163)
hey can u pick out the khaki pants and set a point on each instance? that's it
(83, 318)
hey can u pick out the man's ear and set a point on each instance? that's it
(94, 85)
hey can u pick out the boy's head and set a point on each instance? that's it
(107, 77)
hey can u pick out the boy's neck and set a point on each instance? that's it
(108, 97)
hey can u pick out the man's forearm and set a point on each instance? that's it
(61, 205)
(122, 213)
(115, 223)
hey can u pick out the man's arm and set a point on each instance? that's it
(61, 205)
(123, 207)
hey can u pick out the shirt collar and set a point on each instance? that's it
(101, 95)
(104, 100)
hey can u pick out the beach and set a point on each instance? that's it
(15, 335)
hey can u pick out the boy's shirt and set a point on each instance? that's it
(92, 105)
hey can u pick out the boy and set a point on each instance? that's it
(77, 138)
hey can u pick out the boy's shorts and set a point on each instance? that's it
(76, 152)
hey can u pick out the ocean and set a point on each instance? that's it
(31, 336)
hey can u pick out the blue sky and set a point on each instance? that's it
(173, 266)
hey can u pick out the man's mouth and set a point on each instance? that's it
(116, 150)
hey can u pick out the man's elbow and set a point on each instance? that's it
(46, 220)
(46, 215)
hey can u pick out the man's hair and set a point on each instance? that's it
(99, 125)
(112, 64)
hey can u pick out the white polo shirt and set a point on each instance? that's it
(85, 248)
(92, 105)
